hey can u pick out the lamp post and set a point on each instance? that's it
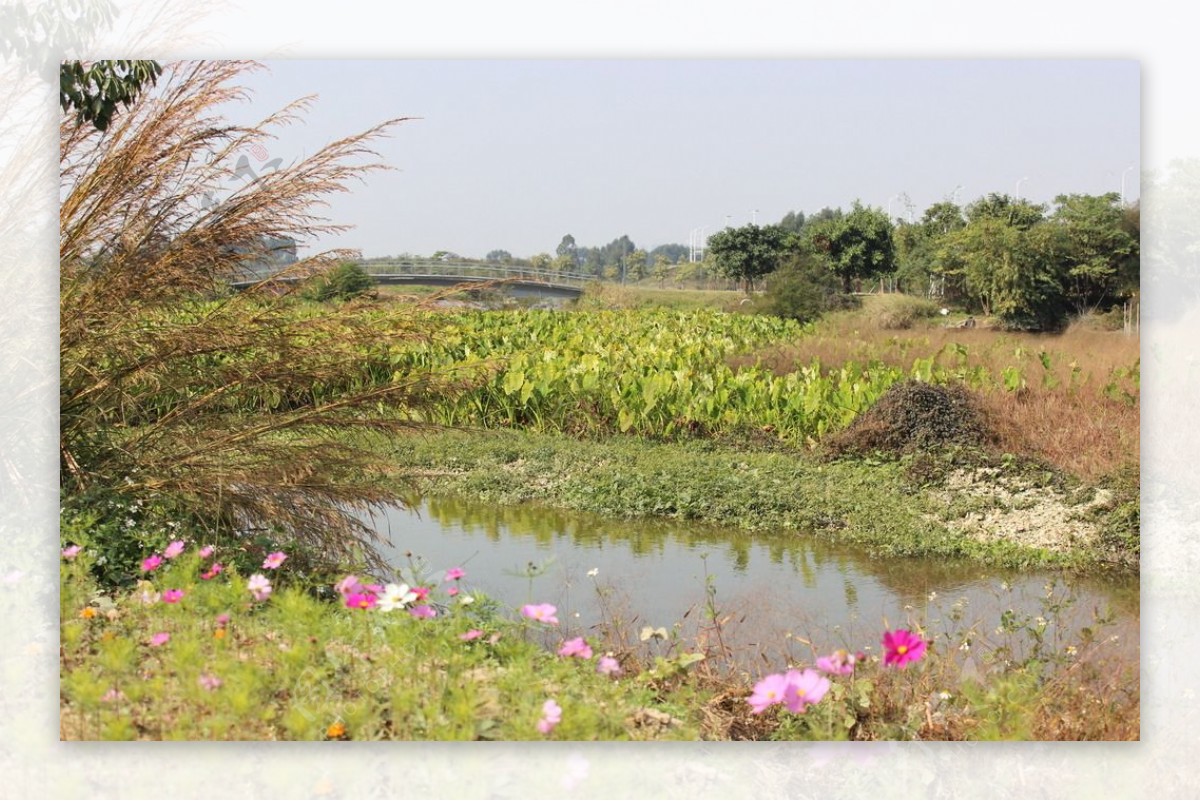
(890, 199)
(754, 217)
(1017, 191)
(1123, 172)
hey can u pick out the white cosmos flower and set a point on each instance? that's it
(396, 596)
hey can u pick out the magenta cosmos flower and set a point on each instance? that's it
(206, 551)
(423, 612)
(455, 573)
(172, 596)
(213, 571)
(804, 688)
(543, 613)
(174, 549)
(71, 552)
(160, 639)
(209, 682)
(901, 647)
(274, 560)
(361, 600)
(151, 562)
(473, 634)
(551, 716)
(839, 663)
(576, 647)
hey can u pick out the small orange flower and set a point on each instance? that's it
(88, 612)
(336, 731)
(219, 633)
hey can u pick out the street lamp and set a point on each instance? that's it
(754, 217)
(954, 194)
(1127, 169)
(1017, 192)
(890, 199)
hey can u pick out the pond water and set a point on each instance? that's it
(773, 591)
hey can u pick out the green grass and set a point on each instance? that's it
(882, 506)
(297, 667)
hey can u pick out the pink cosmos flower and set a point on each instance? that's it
(551, 717)
(274, 560)
(70, 552)
(151, 562)
(259, 586)
(206, 551)
(172, 596)
(608, 666)
(160, 639)
(348, 585)
(174, 549)
(768, 692)
(361, 600)
(839, 663)
(212, 572)
(804, 688)
(424, 611)
(473, 634)
(543, 613)
(576, 647)
(422, 593)
(209, 682)
(112, 696)
(455, 573)
(901, 647)
(222, 619)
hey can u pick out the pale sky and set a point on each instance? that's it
(514, 154)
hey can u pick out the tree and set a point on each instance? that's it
(567, 251)
(857, 245)
(637, 265)
(917, 245)
(500, 256)
(748, 253)
(792, 222)
(94, 91)
(1092, 243)
(1003, 269)
(1013, 211)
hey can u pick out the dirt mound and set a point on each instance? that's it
(914, 416)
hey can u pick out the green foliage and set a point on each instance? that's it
(857, 245)
(95, 91)
(803, 290)
(292, 667)
(1095, 252)
(346, 281)
(748, 253)
(897, 312)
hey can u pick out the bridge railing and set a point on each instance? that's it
(477, 270)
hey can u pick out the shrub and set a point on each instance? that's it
(346, 281)
(898, 312)
(803, 290)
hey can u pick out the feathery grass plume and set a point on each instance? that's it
(235, 404)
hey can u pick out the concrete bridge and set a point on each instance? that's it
(515, 279)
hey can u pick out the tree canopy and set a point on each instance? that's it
(748, 253)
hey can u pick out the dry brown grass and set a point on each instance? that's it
(1080, 415)
(233, 403)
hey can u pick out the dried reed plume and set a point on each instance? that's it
(238, 404)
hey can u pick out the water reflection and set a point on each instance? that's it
(775, 587)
